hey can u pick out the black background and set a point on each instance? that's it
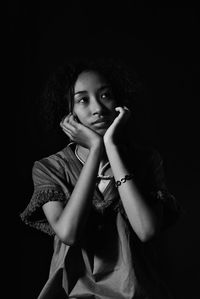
(162, 44)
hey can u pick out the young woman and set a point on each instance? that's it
(104, 200)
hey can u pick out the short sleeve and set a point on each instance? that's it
(158, 190)
(49, 185)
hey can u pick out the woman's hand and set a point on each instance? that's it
(113, 132)
(79, 133)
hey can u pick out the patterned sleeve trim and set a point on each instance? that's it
(34, 216)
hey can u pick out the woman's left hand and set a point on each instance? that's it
(113, 131)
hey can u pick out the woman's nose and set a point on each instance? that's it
(96, 107)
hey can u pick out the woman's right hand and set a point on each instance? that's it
(79, 133)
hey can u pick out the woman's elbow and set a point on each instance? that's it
(67, 239)
(147, 235)
(65, 236)
(148, 232)
(150, 229)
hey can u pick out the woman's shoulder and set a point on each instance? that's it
(65, 154)
(57, 160)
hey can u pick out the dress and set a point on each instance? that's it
(109, 261)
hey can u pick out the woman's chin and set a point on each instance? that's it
(101, 131)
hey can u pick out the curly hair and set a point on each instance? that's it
(57, 98)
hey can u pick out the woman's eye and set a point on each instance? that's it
(83, 100)
(106, 95)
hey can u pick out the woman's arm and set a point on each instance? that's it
(69, 222)
(142, 217)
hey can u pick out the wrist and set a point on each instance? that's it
(97, 146)
(109, 144)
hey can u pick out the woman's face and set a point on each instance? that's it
(94, 104)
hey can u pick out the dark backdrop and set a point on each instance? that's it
(161, 44)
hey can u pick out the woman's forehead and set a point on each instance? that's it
(88, 80)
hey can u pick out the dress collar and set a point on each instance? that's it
(101, 200)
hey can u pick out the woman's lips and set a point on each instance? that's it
(101, 122)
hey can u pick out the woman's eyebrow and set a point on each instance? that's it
(99, 89)
(80, 92)
(104, 87)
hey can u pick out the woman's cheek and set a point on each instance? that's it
(77, 114)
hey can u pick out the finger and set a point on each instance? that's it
(128, 111)
(124, 114)
(65, 118)
(68, 133)
(126, 108)
(75, 117)
(120, 110)
(69, 127)
(67, 130)
(73, 121)
(123, 110)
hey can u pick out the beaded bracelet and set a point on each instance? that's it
(123, 180)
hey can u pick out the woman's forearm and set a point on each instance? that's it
(71, 221)
(141, 217)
